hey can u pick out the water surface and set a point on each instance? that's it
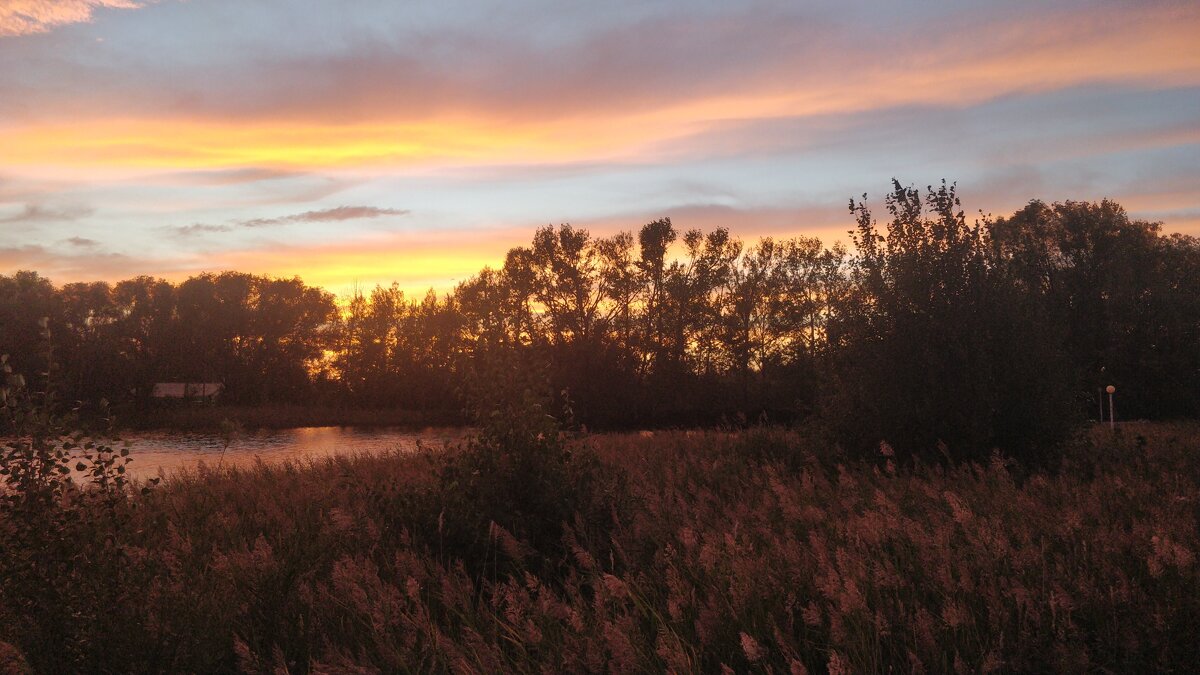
(169, 451)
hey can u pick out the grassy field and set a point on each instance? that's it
(759, 551)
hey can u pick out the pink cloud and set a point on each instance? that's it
(25, 17)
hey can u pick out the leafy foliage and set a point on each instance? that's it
(518, 480)
(61, 560)
(937, 347)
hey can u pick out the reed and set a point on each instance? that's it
(755, 551)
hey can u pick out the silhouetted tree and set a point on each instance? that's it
(931, 331)
(935, 346)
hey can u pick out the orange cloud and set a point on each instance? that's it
(25, 17)
(197, 144)
(615, 97)
(1142, 47)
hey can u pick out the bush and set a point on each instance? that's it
(520, 479)
(941, 352)
(61, 553)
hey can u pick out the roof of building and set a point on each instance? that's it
(186, 389)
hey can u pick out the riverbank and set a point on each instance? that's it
(213, 418)
(759, 551)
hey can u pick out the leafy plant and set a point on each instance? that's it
(520, 472)
(56, 533)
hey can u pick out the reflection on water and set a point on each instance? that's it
(168, 451)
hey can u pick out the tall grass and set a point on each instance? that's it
(757, 551)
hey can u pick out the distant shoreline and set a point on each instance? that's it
(209, 418)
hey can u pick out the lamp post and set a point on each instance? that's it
(1101, 390)
(1112, 412)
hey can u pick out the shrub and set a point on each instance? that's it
(60, 546)
(520, 479)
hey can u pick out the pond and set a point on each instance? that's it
(153, 451)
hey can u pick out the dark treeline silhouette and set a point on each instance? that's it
(929, 331)
(257, 335)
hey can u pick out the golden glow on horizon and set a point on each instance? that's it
(414, 266)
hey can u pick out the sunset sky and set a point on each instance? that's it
(365, 142)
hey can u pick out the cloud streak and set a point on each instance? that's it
(333, 215)
(62, 267)
(617, 93)
(28, 17)
(34, 213)
(198, 229)
(485, 114)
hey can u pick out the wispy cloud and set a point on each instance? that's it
(618, 92)
(198, 228)
(327, 215)
(223, 177)
(39, 213)
(204, 124)
(336, 214)
(89, 265)
(25, 17)
(22, 257)
(82, 242)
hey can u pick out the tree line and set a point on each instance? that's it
(928, 332)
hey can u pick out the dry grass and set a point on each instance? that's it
(750, 552)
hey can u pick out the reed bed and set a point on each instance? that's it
(756, 551)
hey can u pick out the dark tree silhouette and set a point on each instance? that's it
(932, 332)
